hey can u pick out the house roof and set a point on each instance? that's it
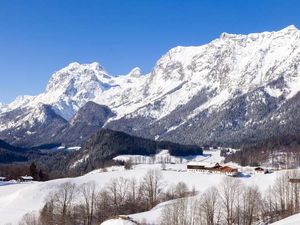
(205, 164)
(27, 177)
(214, 167)
(227, 169)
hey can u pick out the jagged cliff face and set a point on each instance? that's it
(229, 66)
(226, 91)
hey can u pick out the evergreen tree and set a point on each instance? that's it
(33, 170)
(42, 176)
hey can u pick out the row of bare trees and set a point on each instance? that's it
(152, 160)
(233, 203)
(88, 204)
(229, 203)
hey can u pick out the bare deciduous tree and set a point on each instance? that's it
(62, 201)
(181, 190)
(151, 187)
(88, 192)
(46, 214)
(252, 203)
(118, 192)
(229, 196)
(128, 164)
(210, 206)
(181, 212)
(30, 219)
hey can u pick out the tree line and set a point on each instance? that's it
(234, 203)
(281, 151)
(15, 171)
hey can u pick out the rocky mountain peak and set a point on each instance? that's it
(135, 72)
(290, 28)
(92, 113)
(77, 74)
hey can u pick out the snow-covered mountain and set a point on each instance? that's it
(235, 88)
(73, 86)
(228, 89)
(3, 107)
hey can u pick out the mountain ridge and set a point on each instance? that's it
(186, 84)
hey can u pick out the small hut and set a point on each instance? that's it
(259, 170)
(26, 179)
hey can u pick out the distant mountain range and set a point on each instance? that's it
(236, 89)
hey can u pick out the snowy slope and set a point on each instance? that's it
(18, 199)
(3, 108)
(291, 220)
(185, 83)
(118, 222)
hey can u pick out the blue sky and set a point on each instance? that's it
(39, 37)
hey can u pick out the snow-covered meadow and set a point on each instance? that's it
(291, 220)
(17, 199)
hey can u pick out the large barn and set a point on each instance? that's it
(212, 168)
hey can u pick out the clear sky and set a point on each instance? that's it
(39, 37)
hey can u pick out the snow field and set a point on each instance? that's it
(18, 199)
